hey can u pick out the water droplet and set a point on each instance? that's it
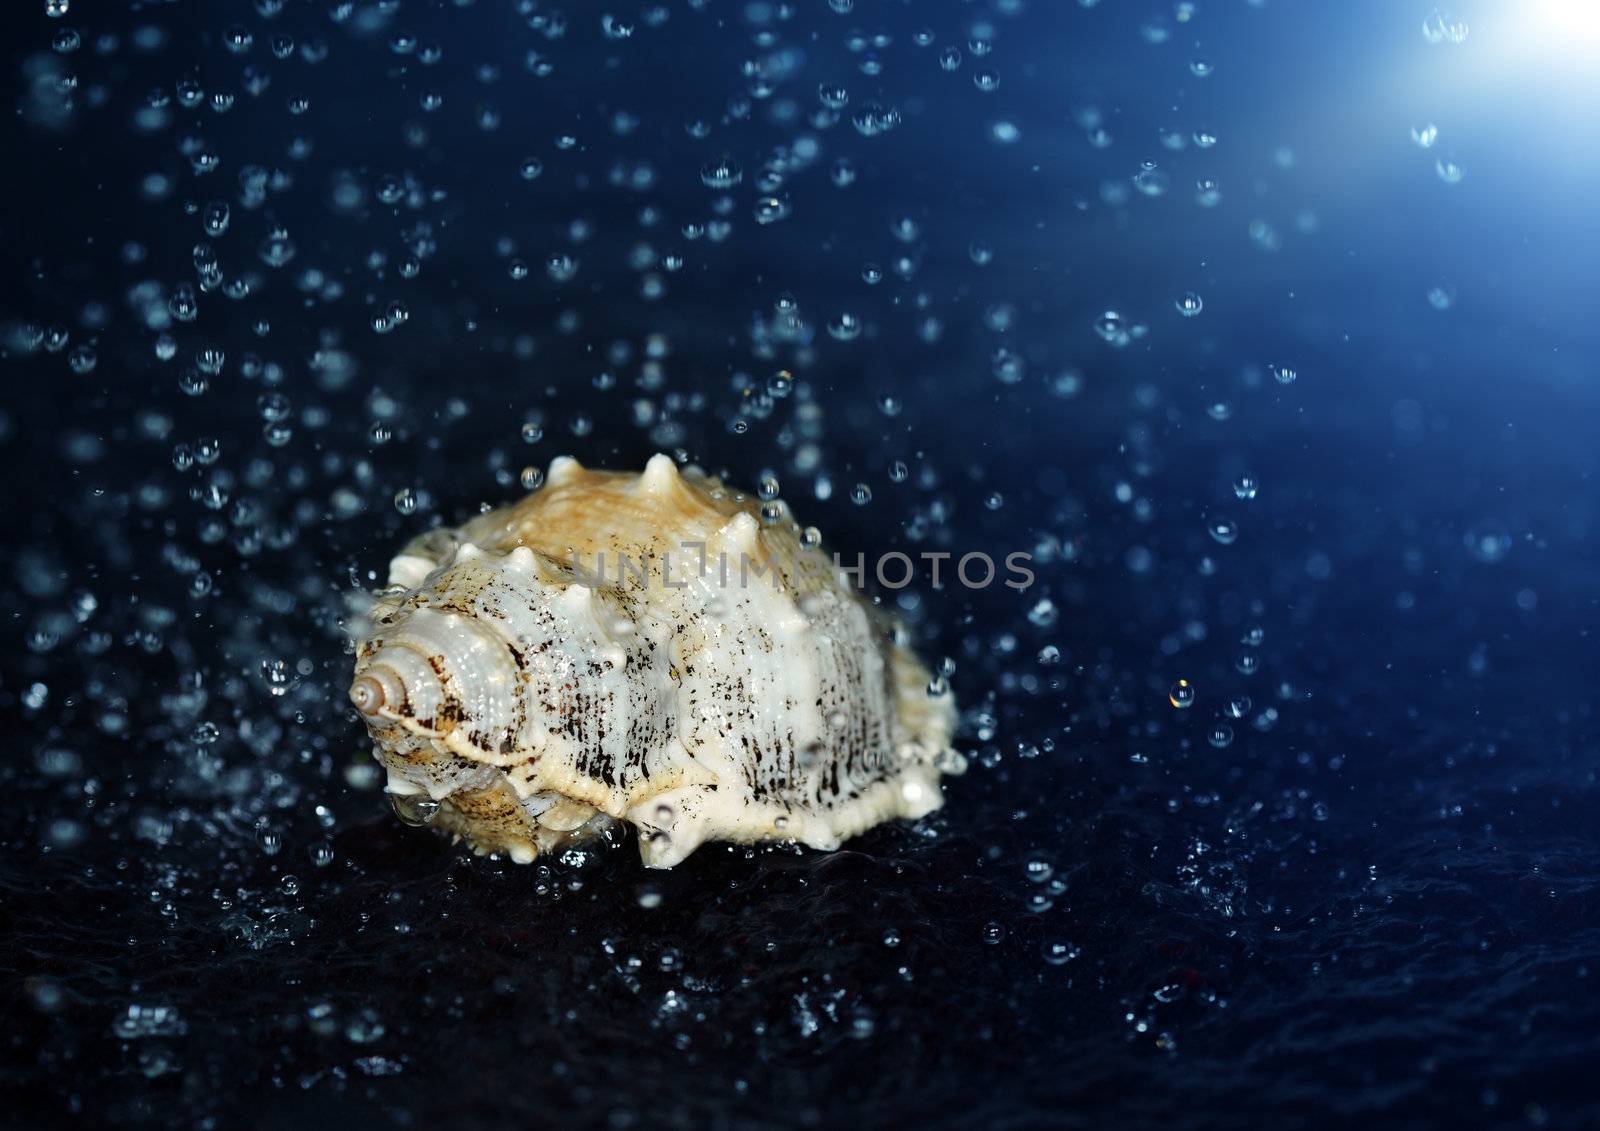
(561, 267)
(1150, 180)
(1223, 530)
(1008, 367)
(1110, 327)
(269, 838)
(771, 209)
(1058, 953)
(873, 119)
(1442, 27)
(721, 174)
(277, 249)
(1181, 695)
(215, 218)
(1488, 542)
(415, 810)
(365, 1027)
(1067, 383)
(846, 327)
(1189, 304)
(833, 95)
(1245, 487)
(276, 673)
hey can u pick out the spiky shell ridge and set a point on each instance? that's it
(645, 648)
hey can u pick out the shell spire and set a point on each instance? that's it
(740, 535)
(660, 476)
(564, 470)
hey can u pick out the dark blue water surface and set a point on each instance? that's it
(284, 283)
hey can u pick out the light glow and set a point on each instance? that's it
(1558, 25)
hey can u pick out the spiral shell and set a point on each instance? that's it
(651, 648)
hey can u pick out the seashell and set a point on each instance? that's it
(642, 649)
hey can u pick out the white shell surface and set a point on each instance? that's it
(643, 648)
